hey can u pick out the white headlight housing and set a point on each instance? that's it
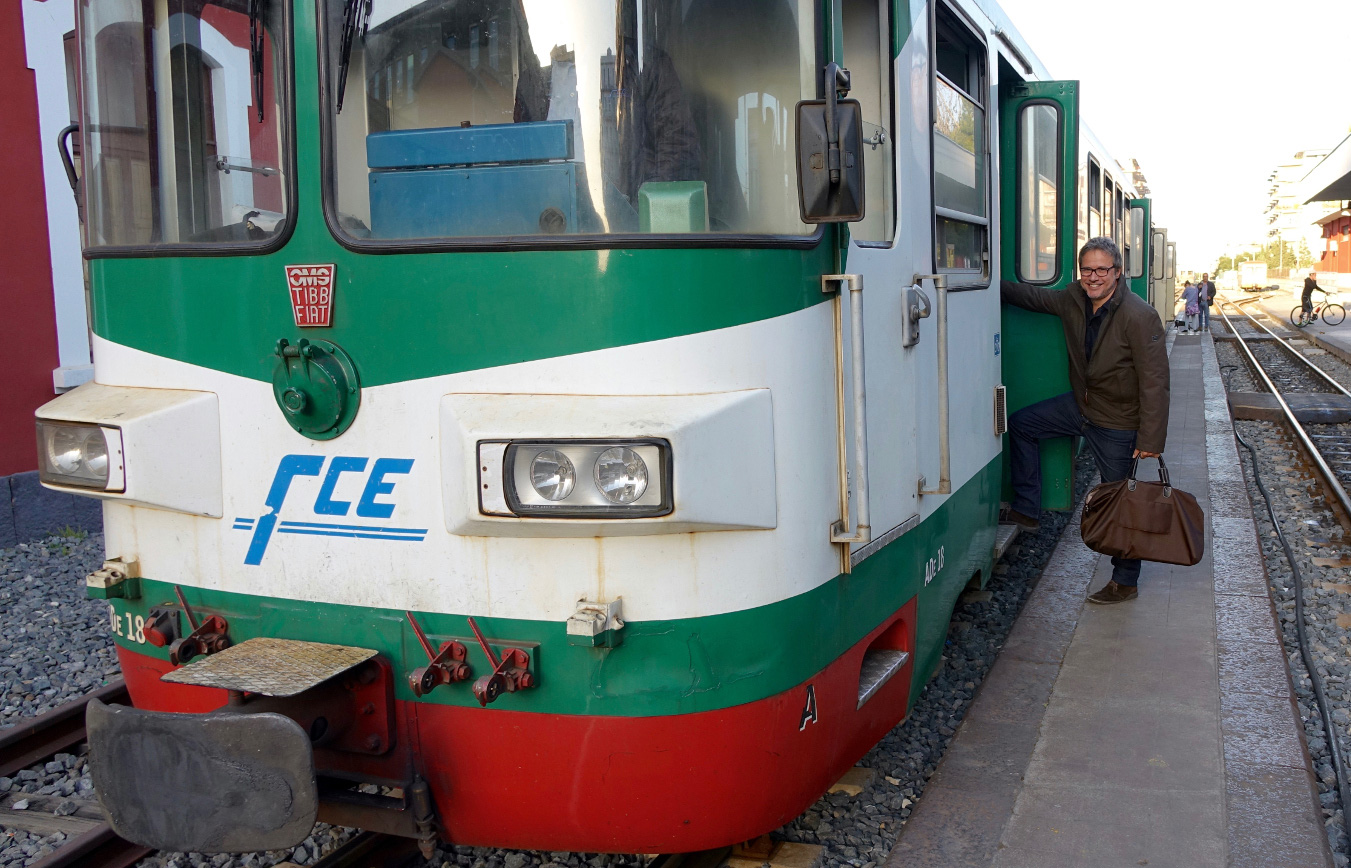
(576, 478)
(80, 455)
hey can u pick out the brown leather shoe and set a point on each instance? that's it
(1026, 522)
(1114, 593)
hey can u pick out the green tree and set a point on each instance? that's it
(1225, 264)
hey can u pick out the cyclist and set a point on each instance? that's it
(1310, 284)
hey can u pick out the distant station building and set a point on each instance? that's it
(1136, 175)
(1328, 187)
(45, 349)
(1289, 219)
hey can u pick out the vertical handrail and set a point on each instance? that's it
(944, 439)
(839, 530)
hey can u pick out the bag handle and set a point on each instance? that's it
(1163, 476)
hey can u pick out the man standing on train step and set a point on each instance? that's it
(1119, 381)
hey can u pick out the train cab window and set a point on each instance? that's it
(540, 118)
(1137, 240)
(960, 179)
(1039, 196)
(867, 54)
(185, 122)
(1094, 199)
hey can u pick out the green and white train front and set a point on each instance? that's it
(498, 438)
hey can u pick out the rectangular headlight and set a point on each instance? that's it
(85, 456)
(576, 478)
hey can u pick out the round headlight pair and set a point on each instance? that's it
(72, 450)
(619, 472)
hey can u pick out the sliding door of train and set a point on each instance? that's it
(1038, 150)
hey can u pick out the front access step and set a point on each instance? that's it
(271, 667)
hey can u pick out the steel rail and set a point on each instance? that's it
(98, 848)
(37, 738)
(1295, 352)
(1330, 480)
(372, 850)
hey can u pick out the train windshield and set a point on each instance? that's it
(492, 118)
(183, 121)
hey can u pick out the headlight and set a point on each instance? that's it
(576, 478)
(621, 474)
(85, 456)
(552, 475)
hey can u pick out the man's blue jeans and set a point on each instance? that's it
(1060, 417)
(1205, 315)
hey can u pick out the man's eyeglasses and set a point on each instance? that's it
(1098, 272)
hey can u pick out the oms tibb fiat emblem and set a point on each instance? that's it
(311, 294)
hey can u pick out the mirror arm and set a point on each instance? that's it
(837, 82)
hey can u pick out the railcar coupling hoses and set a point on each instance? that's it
(1330, 733)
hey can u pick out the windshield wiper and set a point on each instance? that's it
(355, 17)
(256, 52)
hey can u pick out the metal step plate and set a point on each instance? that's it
(271, 667)
(878, 667)
(1004, 536)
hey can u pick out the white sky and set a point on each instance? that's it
(1209, 97)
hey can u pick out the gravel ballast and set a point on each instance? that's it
(856, 831)
(1321, 548)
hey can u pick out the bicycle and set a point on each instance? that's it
(1331, 312)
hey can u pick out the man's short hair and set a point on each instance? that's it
(1106, 245)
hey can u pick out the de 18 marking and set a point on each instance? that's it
(134, 628)
(933, 566)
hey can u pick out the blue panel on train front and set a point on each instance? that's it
(528, 199)
(470, 146)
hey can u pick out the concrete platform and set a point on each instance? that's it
(1158, 732)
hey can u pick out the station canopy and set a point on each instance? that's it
(1330, 180)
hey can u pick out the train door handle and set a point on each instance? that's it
(944, 441)
(917, 307)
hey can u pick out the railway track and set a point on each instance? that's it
(90, 842)
(1286, 371)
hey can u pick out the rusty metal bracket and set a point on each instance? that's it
(510, 673)
(208, 637)
(447, 664)
(161, 628)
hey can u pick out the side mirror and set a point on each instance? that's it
(830, 154)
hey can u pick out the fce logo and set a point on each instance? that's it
(369, 505)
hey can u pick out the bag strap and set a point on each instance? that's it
(1163, 476)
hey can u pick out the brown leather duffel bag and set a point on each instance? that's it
(1152, 521)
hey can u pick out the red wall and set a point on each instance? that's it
(27, 314)
(1340, 259)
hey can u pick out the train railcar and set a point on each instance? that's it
(559, 424)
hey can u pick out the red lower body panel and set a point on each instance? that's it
(620, 784)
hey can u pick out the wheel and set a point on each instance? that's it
(1297, 317)
(1333, 314)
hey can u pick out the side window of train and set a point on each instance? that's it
(1039, 192)
(1119, 228)
(1137, 241)
(1094, 198)
(1108, 227)
(868, 56)
(960, 154)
